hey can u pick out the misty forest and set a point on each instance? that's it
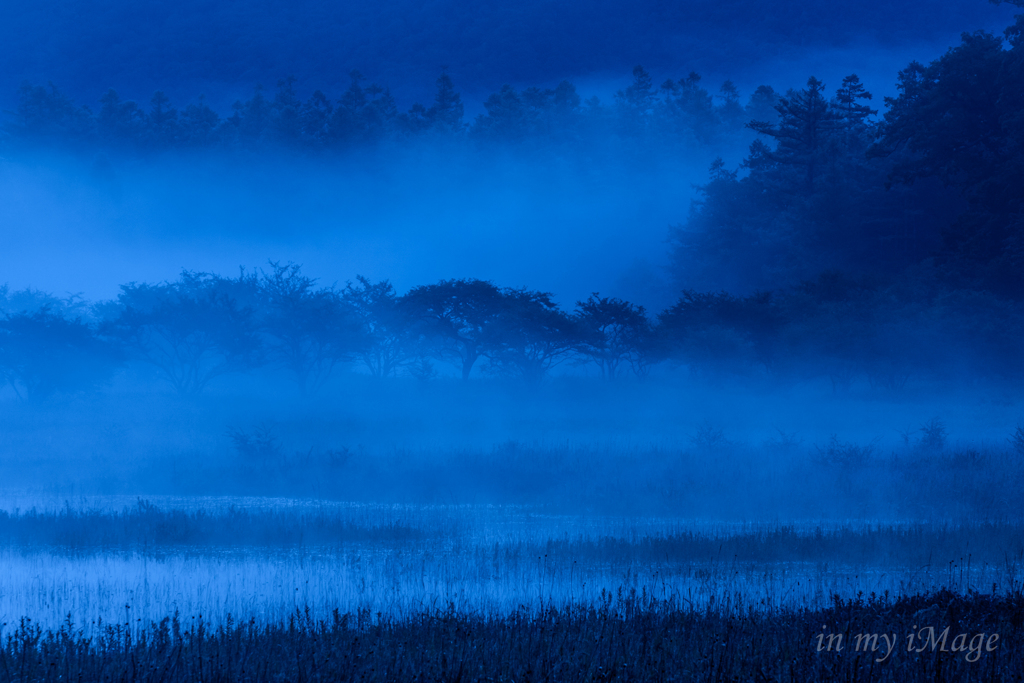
(563, 342)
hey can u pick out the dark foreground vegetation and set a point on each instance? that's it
(625, 637)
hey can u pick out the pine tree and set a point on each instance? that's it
(163, 120)
(851, 115)
(447, 112)
(806, 120)
(637, 101)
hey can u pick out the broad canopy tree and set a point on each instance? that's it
(531, 336)
(389, 342)
(43, 353)
(191, 330)
(708, 330)
(310, 330)
(612, 333)
(458, 317)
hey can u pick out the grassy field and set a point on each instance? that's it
(631, 537)
(231, 588)
(225, 561)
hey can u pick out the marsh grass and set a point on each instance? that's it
(624, 636)
(264, 562)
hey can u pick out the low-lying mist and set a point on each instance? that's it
(572, 341)
(281, 301)
(676, 446)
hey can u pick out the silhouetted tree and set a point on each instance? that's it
(162, 120)
(251, 119)
(445, 115)
(285, 118)
(805, 122)
(507, 117)
(709, 330)
(851, 115)
(346, 122)
(49, 113)
(192, 330)
(197, 125)
(731, 112)
(636, 102)
(30, 300)
(380, 114)
(120, 121)
(459, 316)
(389, 341)
(959, 120)
(612, 332)
(315, 119)
(688, 109)
(531, 336)
(761, 106)
(563, 116)
(43, 353)
(311, 329)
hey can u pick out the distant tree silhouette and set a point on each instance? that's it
(32, 300)
(532, 335)
(315, 118)
(805, 200)
(459, 317)
(612, 333)
(162, 121)
(761, 105)
(716, 330)
(47, 113)
(120, 121)
(43, 353)
(198, 125)
(192, 330)
(683, 112)
(389, 341)
(851, 115)
(731, 113)
(805, 122)
(689, 111)
(285, 118)
(362, 114)
(636, 102)
(311, 329)
(251, 119)
(445, 115)
(508, 118)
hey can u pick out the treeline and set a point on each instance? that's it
(121, 42)
(204, 326)
(933, 186)
(679, 111)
